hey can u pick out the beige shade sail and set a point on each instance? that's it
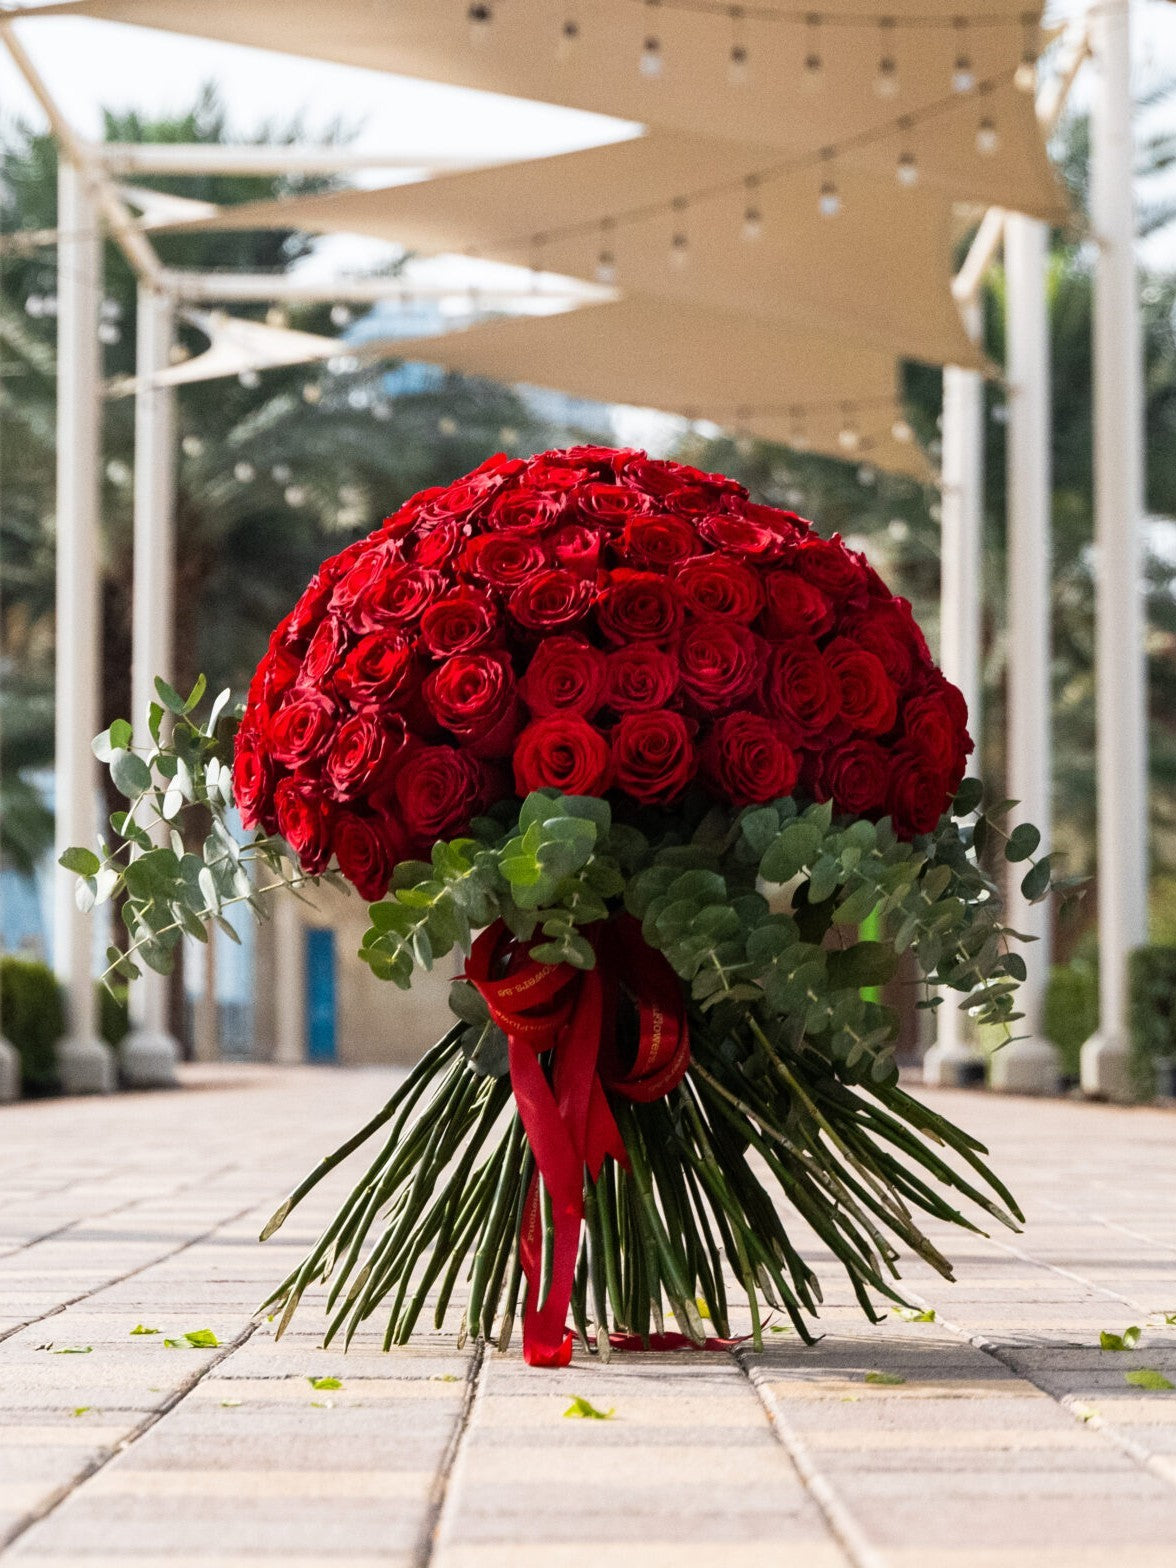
(781, 383)
(916, 53)
(698, 221)
(237, 346)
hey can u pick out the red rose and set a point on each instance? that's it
(934, 722)
(439, 546)
(562, 753)
(352, 586)
(473, 696)
(868, 699)
(327, 650)
(801, 689)
(253, 782)
(366, 748)
(367, 850)
(795, 607)
(746, 763)
(659, 541)
(680, 487)
(789, 525)
(276, 673)
(610, 505)
(713, 585)
(742, 536)
(307, 613)
(301, 729)
(304, 821)
(577, 549)
(653, 756)
(720, 663)
(525, 510)
(887, 628)
(564, 676)
(639, 677)
(918, 794)
(504, 560)
(380, 669)
(638, 607)
(463, 620)
(857, 775)
(437, 793)
(397, 597)
(550, 600)
(830, 565)
(470, 494)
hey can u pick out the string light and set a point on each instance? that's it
(679, 240)
(480, 17)
(849, 437)
(606, 260)
(312, 393)
(901, 431)
(737, 59)
(294, 495)
(569, 37)
(244, 473)
(886, 76)
(829, 201)
(651, 55)
(797, 436)
(1025, 78)
(108, 333)
(753, 218)
(814, 66)
(340, 315)
(281, 473)
(963, 76)
(906, 170)
(987, 137)
(275, 316)
(192, 446)
(249, 379)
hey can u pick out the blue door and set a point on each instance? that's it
(320, 995)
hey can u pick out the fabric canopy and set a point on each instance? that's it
(976, 45)
(879, 270)
(755, 378)
(237, 346)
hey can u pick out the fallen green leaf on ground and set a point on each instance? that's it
(141, 1328)
(81, 1410)
(231, 1404)
(202, 1339)
(322, 1404)
(915, 1314)
(74, 1350)
(445, 1377)
(324, 1382)
(1127, 1340)
(884, 1377)
(1149, 1378)
(582, 1409)
(781, 1328)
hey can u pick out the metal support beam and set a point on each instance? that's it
(1030, 1065)
(1118, 504)
(122, 158)
(150, 1052)
(952, 1060)
(260, 287)
(85, 1062)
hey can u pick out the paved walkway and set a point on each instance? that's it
(1001, 1437)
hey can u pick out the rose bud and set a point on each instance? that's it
(551, 600)
(367, 850)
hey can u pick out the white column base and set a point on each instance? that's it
(953, 1066)
(147, 1059)
(9, 1072)
(1031, 1066)
(85, 1065)
(1105, 1068)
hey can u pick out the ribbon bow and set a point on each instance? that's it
(572, 1013)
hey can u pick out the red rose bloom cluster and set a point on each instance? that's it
(601, 623)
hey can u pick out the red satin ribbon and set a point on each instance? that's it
(567, 1119)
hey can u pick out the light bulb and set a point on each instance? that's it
(901, 431)
(34, 305)
(294, 495)
(249, 379)
(244, 473)
(829, 202)
(340, 315)
(814, 71)
(1025, 77)
(312, 392)
(737, 64)
(987, 138)
(886, 77)
(606, 268)
(108, 333)
(849, 437)
(110, 310)
(280, 473)
(680, 248)
(753, 223)
(906, 170)
(963, 77)
(480, 17)
(651, 57)
(447, 425)
(866, 475)
(192, 446)
(569, 36)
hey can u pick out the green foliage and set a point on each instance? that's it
(1152, 986)
(32, 1017)
(1127, 1340)
(113, 1014)
(1071, 1011)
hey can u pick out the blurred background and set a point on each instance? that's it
(714, 196)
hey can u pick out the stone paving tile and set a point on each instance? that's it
(1012, 1442)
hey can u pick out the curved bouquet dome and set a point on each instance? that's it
(601, 623)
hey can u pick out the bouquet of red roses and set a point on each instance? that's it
(689, 770)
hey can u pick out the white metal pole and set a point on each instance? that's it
(952, 1060)
(150, 1052)
(85, 1062)
(1029, 1065)
(1120, 693)
(289, 974)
